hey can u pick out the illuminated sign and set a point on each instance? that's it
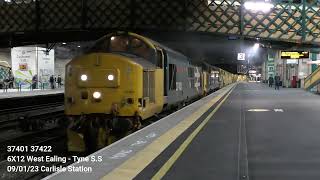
(292, 61)
(241, 56)
(294, 54)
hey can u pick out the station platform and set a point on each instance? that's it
(14, 93)
(243, 131)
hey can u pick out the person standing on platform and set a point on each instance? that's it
(11, 79)
(34, 82)
(11, 83)
(59, 81)
(6, 84)
(276, 82)
(51, 80)
(270, 81)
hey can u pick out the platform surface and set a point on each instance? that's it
(255, 132)
(13, 93)
(260, 133)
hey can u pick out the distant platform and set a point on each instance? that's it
(14, 93)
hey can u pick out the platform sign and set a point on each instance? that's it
(241, 56)
(294, 54)
(23, 64)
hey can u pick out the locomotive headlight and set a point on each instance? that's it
(96, 95)
(83, 77)
(110, 77)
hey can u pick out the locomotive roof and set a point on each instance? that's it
(155, 43)
(144, 63)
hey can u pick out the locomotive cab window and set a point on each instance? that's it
(159, 58)
(140, 48)
(125, 44)
(119, 43)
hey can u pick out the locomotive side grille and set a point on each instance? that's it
(148, 85)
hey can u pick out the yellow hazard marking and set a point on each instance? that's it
(258, 110)
(133, 166)
(166, 167)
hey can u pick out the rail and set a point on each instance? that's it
(312, 80)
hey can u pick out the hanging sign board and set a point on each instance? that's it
(241, 56)
(294, 54)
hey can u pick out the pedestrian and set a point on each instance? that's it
(34, 81)
(55, 81)
(11, 82)
(270, 81)
(59, 81)
(6, 84)
(51, 80)
(276, 81)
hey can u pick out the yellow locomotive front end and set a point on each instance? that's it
(109, 89)
(100, 88)
(101, 83)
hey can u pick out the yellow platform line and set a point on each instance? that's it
(166, 167)
(133, 166)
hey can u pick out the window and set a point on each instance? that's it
(172, 76)
(100, 45)
(124, 44)
(139, 48)
(119, 43)
(159, 59)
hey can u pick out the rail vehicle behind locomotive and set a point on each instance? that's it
(125, 78)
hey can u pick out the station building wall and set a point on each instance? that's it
(59, 67)
(287, 71)
(59, 64)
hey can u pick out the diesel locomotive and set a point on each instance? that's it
(125, 78)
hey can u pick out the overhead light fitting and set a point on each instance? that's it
(258, 6)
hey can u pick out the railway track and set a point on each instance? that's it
(54, 137)
(9, 118)
(51, 135)
(30, 138)
(29, 108)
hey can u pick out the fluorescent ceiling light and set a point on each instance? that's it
(258, 6)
